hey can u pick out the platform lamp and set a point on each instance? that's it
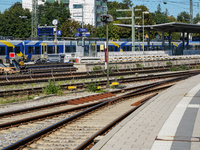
(145, 12)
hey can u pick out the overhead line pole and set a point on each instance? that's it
(34, 18)
(133, 23)
(191, 12)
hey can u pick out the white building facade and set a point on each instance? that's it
(91, 10)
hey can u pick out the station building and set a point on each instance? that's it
(92, 9)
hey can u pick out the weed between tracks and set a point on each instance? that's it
(7, 100)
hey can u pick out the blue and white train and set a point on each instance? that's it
(32, 49)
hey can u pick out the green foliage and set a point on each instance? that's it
(73, 81)
(97, 68)
(139, 65)
(110, 70)
(121, 77)
(92, 86)
(169, 63)
(50, 11)
(113, 5)
(30, 97)
(183, 67)
(196, 19)
(52, 88)
(33, 84)
(183, 17)
(173, 69)
(12, 25)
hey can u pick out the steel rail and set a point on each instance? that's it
(80, 73)
(112, 124)
(41, 78)
(11, 113)
(102, 83)
(26, 120)
(61, 123)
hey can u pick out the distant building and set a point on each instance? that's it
(92, 9)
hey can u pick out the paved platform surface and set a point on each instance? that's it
(169, 121)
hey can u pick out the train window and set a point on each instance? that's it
(37, 50)
(67, 49)
(2, 51)
(73, 48)
(17, 49)
(98, 48)
(111, 48)
(9, 50)
(124, 48)
(116, 48)
(128, 48)
(58, 50)
(50, 49)
(30, 49)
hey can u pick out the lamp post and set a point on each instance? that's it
(145, 12)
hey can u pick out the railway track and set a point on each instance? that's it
(59, 76)
(37, 90)
(82, 123)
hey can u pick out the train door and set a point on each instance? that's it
(86, 48)
(43, 50)
(93, 49)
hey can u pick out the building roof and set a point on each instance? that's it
(166, 27)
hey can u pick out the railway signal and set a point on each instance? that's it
(107, 19)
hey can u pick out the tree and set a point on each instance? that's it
(171, 18)
(166, 13)
(128, 3)
(49, 11)
(196, 19)
(70, 27)
(159, 16)
(183, 17)
(12, 25)
(159, 10)
(113, 6)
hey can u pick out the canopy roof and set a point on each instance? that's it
(167, 27)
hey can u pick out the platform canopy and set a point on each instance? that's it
(168, 27)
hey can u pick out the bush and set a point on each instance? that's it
(169, 63)
(173, 69)
(97, 68)
(139, 65)
(92, 86)
(183, 67)
(52, 88)
(121, 77)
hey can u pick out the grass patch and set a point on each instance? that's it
(52, 88)
(16, 99)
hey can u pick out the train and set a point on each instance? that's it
(30, 49)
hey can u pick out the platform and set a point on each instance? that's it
(169, 121)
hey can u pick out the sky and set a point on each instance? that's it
(6, 4)
(174, 7)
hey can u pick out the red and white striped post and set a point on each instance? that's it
(105, 56)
